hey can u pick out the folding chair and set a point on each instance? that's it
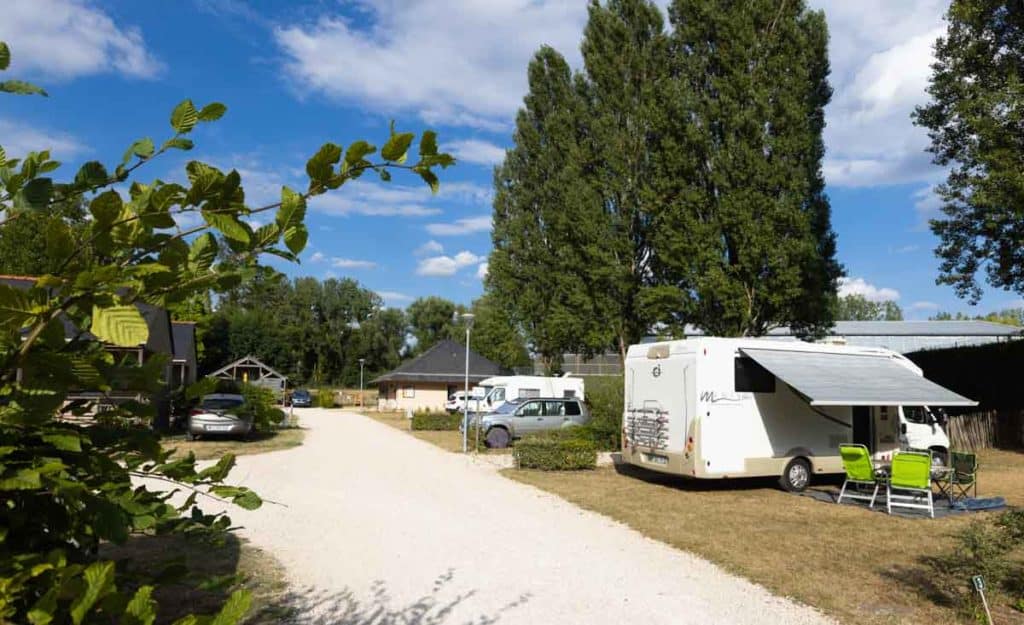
(911, 473)
(964, 475)
(859, 472)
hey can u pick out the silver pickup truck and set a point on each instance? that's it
(524, 416)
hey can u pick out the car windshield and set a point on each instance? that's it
(301, 394)
(220, 403)
(508, 407)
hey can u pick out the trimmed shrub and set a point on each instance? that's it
(325, 398)
(604, 398)
(261, 405)
(433, 420)
(569, 449)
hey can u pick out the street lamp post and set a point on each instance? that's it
(468, 318)
(361, 362)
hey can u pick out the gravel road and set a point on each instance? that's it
(380, 528)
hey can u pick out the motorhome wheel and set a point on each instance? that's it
(497, 438)
(797, 475)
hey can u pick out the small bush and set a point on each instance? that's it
(992, 549)
(325, 398)
(261, 405)
(433, 420)
(604, 398)
(560, 450)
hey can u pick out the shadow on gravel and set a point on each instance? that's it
(317, 607)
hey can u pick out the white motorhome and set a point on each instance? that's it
(723, 408)
(493, 392)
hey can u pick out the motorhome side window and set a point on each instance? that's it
(752, 377)
(529, 393)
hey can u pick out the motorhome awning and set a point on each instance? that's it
(837, 379)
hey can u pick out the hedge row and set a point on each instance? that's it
(557, 450)
(429, 420)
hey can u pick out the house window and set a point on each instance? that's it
(752, 377)
(409, 392)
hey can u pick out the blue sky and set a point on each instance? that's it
(295, 75)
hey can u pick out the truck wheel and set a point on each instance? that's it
(497, 438)
(796, 476)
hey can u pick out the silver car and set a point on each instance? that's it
(524, 416)
(218, 414)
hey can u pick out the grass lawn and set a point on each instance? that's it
(448, 440)
(848, 562)
(214, 448)
(234, 562)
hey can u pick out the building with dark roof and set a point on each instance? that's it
(427, 381)
(185, 366)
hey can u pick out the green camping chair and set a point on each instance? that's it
(964, 476)
(859, 472)
(911, 474)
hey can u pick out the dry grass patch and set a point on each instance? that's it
(214, 448)
(862, 567)
(215, 570)
(448, 440)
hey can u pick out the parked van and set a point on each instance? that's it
(493, 392)
(722, 408)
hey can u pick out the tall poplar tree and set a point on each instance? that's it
(744, 242)
(542, 264)
(976, 124)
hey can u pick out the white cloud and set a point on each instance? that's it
(927, 204)
(459, 227)
(904, 249)
(459, 62)
(351, 263)
(19, 139)
(317, 257)
(394, 298)
(924, 305)
(361, 197)
(476, 151)
(481, 270)
(880, 52)
(430, 247)
(859, 286)
(443, 266)
(69, 38)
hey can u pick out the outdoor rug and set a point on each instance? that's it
(941, 504)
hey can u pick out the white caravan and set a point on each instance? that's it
(493, 392)
(722, 408)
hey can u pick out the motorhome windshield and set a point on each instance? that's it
(919, 414)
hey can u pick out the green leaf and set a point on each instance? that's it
(37, 192)
(295, 238)
(92, 174)
(228, 225)
(5, 57)
(120, 325)
(428, 143)
(106, 207)
(64, 441)
(20, 87)
(320, 166)
(292, 210)
(397, 147)
(219, 471)
(178, 143)
(203, 251)
(99, 581)
(234, 609)
(23, 479)
(184, 117)
(143, 148)
(358, 151)
(141, 610)
(212, 112)
(430, 178)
